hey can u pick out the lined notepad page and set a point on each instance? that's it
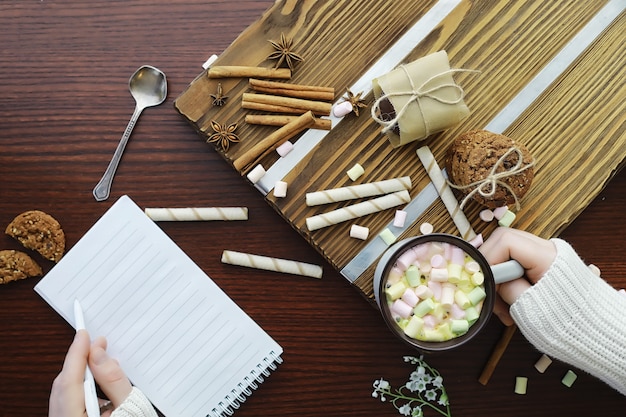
(176, 334)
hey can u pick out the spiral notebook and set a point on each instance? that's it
(176, 334)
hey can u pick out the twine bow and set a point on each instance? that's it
(415, 95)
(487, 186)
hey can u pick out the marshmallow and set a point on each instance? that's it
(426, 228)
(396, 290)
(486, 215)
(459, 326)
(447, 295)
(355, 172)
(507, 219)
(284, 149)
(499, 212)
(256, 174)
(410, 297)
(342, 109)
(439, 274)
(401, 308)
(423, 292)
(413, 276)
(472, 267)
(435, 287)
(387, 236)
(359, 232)
(477, 241)
(521, 383)
(399, 218)
(414, 326)
(424, 307)
(438, 261)
(461, 299)
(476, 295)
(569, 378)
(471, 314)
(454, 272)
(406, 259)
(542, 364)
(280, 189)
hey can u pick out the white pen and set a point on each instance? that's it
(89, 385)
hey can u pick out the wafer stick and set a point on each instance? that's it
(293, 90)
(282, 120)
(236, 71)
(318, 107)
(271, 264)
(358, 191)
(274, 140)
(445, 193)
(357, 210)
(197, 213)
(496, 354)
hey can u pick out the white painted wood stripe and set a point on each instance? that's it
(511, 112)
(388, 61)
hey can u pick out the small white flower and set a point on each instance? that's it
(430, 395)
(438, 382)
(405, 410)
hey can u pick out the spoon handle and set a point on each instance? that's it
(103, 188)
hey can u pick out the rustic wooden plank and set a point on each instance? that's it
(575, 129)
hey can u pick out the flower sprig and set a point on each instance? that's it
(423, 390)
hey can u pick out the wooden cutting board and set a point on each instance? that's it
(566, 107)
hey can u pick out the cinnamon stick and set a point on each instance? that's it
(309, 92)
(496, 354)
(271, 108)
(281, 120)
(274, 140)
(317, 107)
(234, 71)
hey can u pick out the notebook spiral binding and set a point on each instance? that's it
(245, 388)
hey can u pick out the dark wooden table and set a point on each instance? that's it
(64, 103)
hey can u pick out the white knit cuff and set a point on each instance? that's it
(135, 405)
(576, 317)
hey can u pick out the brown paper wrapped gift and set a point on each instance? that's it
(418, 99)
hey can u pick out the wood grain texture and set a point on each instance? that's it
(64, 69)
(580, 116)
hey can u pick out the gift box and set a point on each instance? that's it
(418, 99)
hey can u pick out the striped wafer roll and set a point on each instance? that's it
(197, 214)
(271, 264)
(358, 210)
(358, 191)
(445, 193)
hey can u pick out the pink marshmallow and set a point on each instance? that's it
(401, 308)
(499, 212)
(477, 241)
(406, 259)
(457, 312)
(438, 261)
(410, 297)
(430, 321)
(458, 256)
(435, 287)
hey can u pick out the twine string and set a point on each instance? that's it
(415, 95)
(487, 186)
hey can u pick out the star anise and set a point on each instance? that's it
(219, 98)
(356, 101)
(224, 135)
(284, 53)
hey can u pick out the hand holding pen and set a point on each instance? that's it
(67, 397)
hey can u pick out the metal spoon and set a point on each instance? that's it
(148, 87)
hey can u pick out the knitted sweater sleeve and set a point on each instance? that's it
(135, 405)
(576, 317)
